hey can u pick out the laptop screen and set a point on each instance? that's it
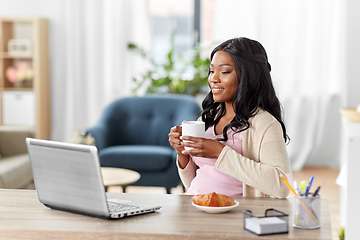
(67, 176)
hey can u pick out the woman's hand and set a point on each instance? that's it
(202, 147)
(174, 138)
(176, 143)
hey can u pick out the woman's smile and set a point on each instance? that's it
(217, 90)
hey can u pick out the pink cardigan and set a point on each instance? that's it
(264, 158)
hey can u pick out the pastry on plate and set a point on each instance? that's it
(213, 200)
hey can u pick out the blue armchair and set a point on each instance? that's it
(133, 134)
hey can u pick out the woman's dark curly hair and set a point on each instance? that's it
(254, 90)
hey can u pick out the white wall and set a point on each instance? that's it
(350, 148)
(351, 87)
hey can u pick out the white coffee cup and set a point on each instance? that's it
(193, 129)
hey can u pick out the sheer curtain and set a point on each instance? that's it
(92, 64)
(303, 40)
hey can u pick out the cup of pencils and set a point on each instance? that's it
(306, 211)
(306, 205)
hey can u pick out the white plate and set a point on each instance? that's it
(216, 209)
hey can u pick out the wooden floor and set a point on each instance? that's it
(330, 190)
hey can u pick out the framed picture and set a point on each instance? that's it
(20, 47)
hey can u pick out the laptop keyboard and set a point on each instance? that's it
(118, 207)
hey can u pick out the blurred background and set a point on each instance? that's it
(312, 47)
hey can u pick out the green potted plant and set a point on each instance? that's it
(165, 77)
(342, 234)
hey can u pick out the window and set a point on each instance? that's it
(183, 17)
(165, 17)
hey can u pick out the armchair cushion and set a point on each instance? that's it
(141, 158)
(12, 140)
(15, 171)
(15, 168)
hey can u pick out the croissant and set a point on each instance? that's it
(213, 200)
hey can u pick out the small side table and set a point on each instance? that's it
(118, 176)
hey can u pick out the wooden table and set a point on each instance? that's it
(22, 216)
(118, 176)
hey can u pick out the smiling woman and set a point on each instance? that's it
(243, 152)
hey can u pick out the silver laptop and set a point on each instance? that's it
(67, 177)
